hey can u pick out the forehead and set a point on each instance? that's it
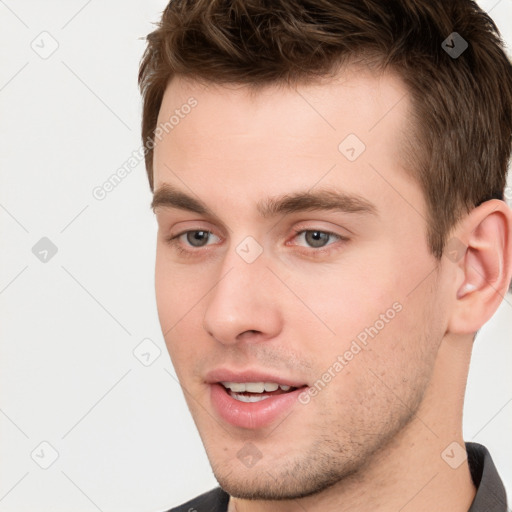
(372, 92)
(270, 138)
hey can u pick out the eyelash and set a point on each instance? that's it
(174, 242)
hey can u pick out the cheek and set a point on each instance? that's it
(367, 314)
(366, 386)
(350, 296)
(177, 294)
(165, 293)
(177, 290)
(398, 353)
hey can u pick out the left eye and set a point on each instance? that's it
(317, 239)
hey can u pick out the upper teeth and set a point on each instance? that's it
(254, 387)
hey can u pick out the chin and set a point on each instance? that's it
(289, 480)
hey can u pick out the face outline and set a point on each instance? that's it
(223, 316)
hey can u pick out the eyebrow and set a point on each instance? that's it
(167, 196)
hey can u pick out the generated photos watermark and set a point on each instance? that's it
(357, 345)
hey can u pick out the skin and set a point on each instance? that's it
(374, 435)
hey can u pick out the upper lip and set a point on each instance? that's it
(249, 375)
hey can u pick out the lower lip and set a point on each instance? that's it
(251, 415)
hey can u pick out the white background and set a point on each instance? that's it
(68, 375)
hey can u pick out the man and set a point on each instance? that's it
(328, 182)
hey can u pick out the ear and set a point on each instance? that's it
(481, 249)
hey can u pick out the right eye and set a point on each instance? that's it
(191, 238)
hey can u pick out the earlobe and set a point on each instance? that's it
(485, 268)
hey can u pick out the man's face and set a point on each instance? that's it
(339, 304)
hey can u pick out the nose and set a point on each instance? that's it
(243, 304)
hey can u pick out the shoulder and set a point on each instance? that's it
(215, 500)
(490, 491)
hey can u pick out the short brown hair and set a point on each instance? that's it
(462, 104)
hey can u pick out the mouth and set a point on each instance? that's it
(252, 400)
(251, 392)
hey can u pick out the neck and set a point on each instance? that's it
(417, 468)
